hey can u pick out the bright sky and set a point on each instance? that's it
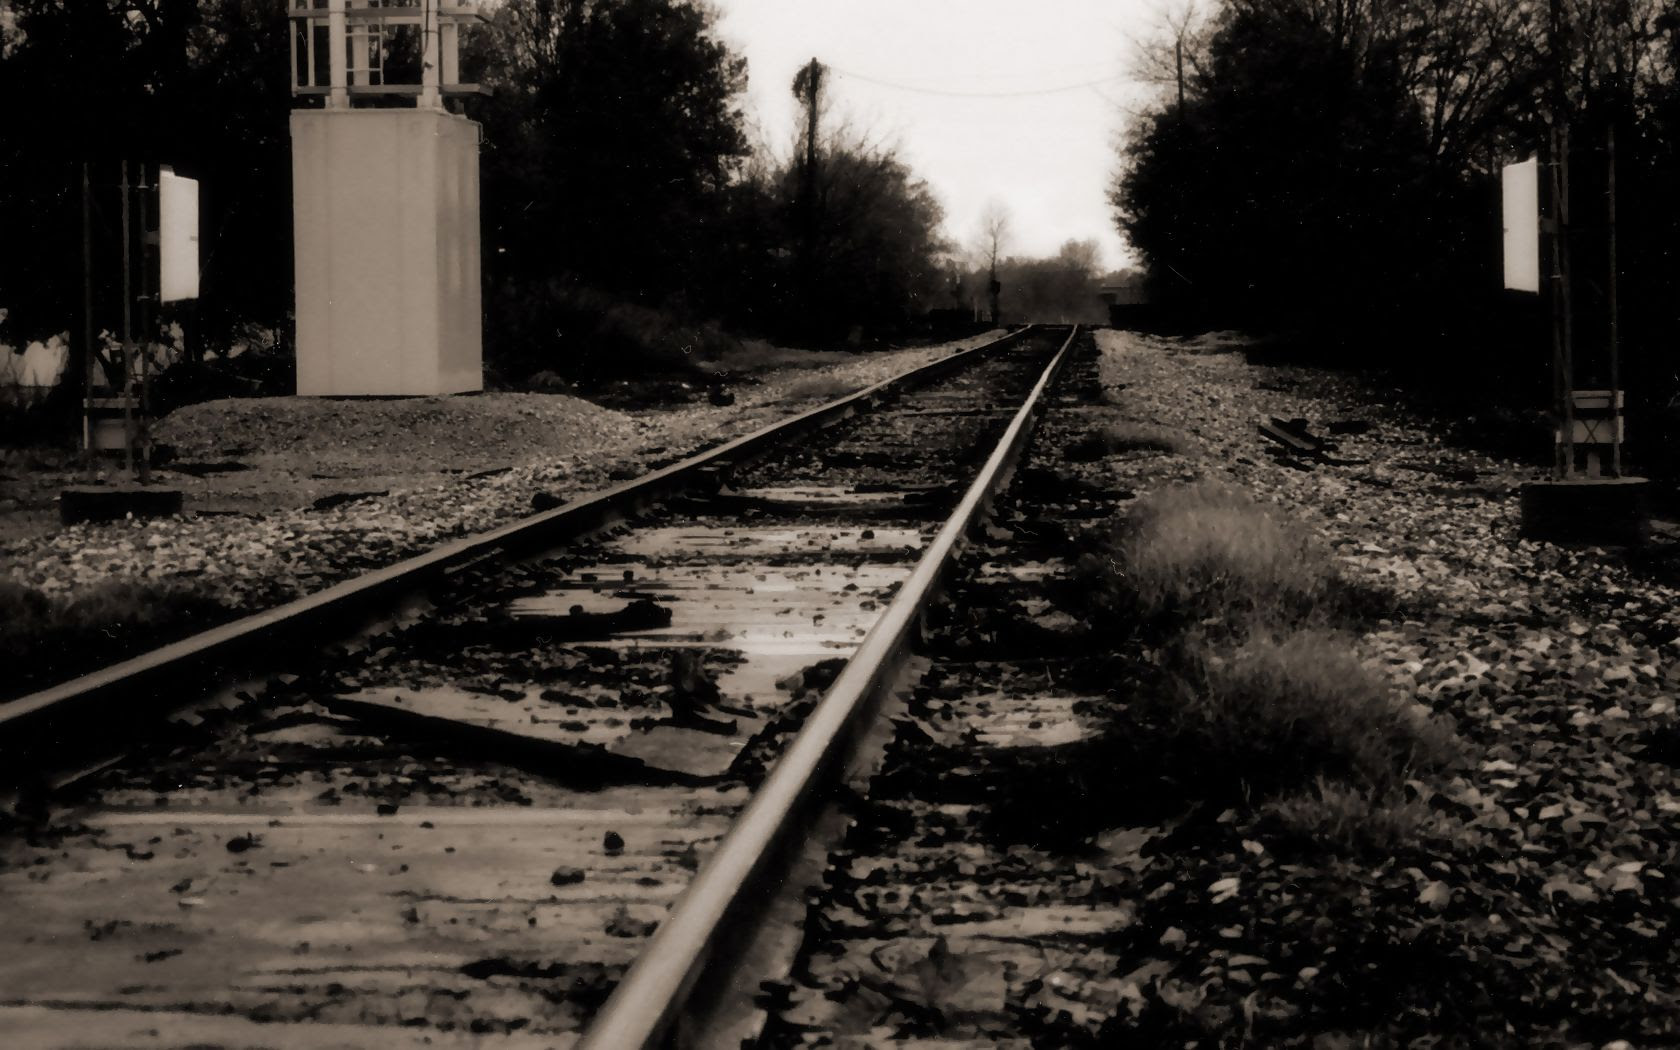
(971, 108)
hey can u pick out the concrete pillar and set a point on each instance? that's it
(386, 239)
(338, 95)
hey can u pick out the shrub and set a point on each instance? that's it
(1201, 551)
(589, 336)
(1275, 714)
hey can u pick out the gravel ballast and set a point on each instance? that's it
(1533, 902)
(398, 475)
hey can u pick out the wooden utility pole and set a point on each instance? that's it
(813, 91)
(1178, 60)
(807, 86)
(1612, 279)
(148, 324)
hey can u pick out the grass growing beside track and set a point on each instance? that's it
(1522, 897)
(44, 637)
(1261, 697)
(1272, 715)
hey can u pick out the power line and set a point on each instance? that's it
(979, 94)
(993, 75)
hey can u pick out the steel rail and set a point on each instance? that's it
(106, 704)
(647, 1004)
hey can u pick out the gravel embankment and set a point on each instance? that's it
(416, 455)
(1537, 907)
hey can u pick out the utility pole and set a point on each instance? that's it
(1178, 60)
(1563, 333)
(85, 359)
(813, 89)
(807, 87)
(1583, 504)
(127, 327)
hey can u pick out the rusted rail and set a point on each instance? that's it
(99, 712)
(737, 883)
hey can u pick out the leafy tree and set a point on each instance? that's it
(878, 242)
(612, 142)
(1293, 181)
(611, 135)
(876, 251)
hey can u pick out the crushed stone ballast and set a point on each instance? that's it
(466, 822)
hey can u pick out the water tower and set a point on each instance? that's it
(384, 199)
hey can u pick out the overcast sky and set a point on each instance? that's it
(968, 91)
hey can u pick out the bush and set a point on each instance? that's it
(1202, 551)
(583, 335)
(1276, 714)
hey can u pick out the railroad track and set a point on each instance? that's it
(964, 906)
(468, 825)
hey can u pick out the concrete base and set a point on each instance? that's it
(116, 502)
(1586, 510)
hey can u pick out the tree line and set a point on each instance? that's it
(626, 212)
(1330, 169)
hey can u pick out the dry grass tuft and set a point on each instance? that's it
(1351, 822)
(1274, 715)
(1203, 550)
(1261, 701)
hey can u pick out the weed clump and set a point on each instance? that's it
(1201, 551)
(1274, 715)
(1260, 699)
(1348, 821)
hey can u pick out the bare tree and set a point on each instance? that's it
(994, 238)
(1175, 47)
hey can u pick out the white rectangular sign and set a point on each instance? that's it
(1520, 198)
(177, 236)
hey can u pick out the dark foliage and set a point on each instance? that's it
(622, 223)
(877, 241)
(1331, 175)
(1290, 187)
(201, 86)
(609, 141)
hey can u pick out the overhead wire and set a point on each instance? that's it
(915, 89)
